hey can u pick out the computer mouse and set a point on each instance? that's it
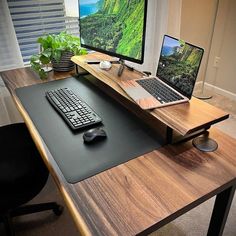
(105, 65)
(94, 135)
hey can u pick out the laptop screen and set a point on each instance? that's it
(179, 64)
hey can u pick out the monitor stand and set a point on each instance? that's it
(204, 143)
(122, 67)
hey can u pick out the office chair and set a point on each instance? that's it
(22, 175)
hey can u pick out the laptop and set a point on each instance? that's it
(175, 78)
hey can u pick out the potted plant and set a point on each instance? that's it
(57, 50)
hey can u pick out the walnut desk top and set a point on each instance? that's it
(147, 192)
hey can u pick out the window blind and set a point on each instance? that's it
(34, 18)
(72, 25)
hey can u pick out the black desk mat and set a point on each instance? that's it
(127, 136)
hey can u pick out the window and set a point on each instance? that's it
(34, 18)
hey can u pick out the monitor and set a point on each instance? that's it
(179, 64)
(116, 28)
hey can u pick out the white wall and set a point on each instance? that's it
(197, 18)
(10, 56)
(223, 46)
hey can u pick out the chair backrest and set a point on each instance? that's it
(22, 171)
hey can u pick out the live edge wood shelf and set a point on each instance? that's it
(183, 118)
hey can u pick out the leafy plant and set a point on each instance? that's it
(52, 48)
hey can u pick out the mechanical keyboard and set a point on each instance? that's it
(159, 90)
(72, 108)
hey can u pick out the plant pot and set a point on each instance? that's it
(65, 64)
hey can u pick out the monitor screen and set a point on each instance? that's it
(179, 64)
(113, 27)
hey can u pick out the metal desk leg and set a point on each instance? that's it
(76, 69)
(169, 135)
(80, 73)
(220, 212)
(171, 140)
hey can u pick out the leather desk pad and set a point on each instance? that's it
(127, 136)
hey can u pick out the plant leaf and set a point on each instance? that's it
(47, 53)
(57, 55)
(44, 60)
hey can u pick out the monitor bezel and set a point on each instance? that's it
(123, 57)
(169, 83)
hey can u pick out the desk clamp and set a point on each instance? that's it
(200, 138)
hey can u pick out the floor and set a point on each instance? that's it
(193, 223)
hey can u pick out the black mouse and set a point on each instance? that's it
(94, 135)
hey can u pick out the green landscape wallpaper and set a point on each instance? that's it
(113, 25)
(179, 63)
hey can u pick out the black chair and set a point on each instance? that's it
(22, 175)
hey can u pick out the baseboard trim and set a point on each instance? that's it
(216, 90)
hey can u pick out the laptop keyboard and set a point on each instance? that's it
(159, 90)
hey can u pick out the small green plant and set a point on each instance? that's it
(52, 48)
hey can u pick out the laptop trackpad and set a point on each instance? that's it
(137, 93)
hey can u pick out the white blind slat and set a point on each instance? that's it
(30, 16)
(29, 45)
(36, 21)
(25, 10)
(20, 3)
(23, 30)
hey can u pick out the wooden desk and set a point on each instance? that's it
(147, 192)
(183, 118)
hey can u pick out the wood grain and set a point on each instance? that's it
(145, 193)
(26, 76)
(183, 118)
